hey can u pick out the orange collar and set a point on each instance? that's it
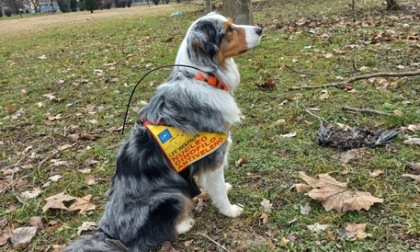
(211, 79)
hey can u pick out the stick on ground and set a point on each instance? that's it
(359, 77)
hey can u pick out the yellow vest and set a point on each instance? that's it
(183, 149)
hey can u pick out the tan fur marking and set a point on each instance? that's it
(188, 205)
(233, 44)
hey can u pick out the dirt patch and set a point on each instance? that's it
(40, 22)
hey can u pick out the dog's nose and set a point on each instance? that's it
(258, 31)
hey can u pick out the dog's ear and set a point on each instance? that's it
(206, 38)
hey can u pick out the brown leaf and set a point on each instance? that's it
(302, 188)
(414, 167)
(413, 141)
(167, 247)
(82, 204)
(305, 210)
(58, 248)
(317, 227)
(335, 195)
(375, 173)
(21, 237)
(90, 179)
(264, 218)
(354, 231)
(5, 236)
(241, 162)
(57, 201)
(31, 194)
(351, 154)
(36, 221)
(86, 226)
(268, 84)
(324, 95)
(415, 177)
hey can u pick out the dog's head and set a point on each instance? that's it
(214, 37)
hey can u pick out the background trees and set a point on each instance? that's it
(239, 10)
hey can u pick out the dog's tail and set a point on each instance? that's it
(97, 242)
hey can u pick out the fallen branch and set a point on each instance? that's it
(213, 241)
(368, 111)
(55, 154)
(359, 77)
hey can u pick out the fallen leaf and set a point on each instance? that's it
(58, 247)
(330, 235)
(36, 221)
(292, 221)
(90, 180)
(345, 157)
(31, 194)
(200, 205)
(305, 210)
(265, 203)
(5, 236)
(241, 162)
(55, 178)
(86, 226)
(264, 217)
(375, 173)
(22, 236)
(414, 167)
(167, 247)
(415, 177)
(317, 227)
(188, 243)
(289, 135)
(284, 241)
(413, 127)
(324, 95)
(328, 55)
(268, 84)
(413, 141)
(82, 204)
(57, 201)
(335, 195)
(354, 231)
(398, 112)
(302, 188)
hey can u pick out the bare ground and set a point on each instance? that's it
(39, 22)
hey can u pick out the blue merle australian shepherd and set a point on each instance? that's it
(148, 201)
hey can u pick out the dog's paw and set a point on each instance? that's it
(233, 211)
(184, 226)
(228, 187)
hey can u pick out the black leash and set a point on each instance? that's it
(144, 76)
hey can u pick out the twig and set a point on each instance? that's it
(215, 242)
(369, 111)
(293, 70)
(11, 184)
(55, 153)
(359, 77)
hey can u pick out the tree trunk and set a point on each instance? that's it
(207, 6)
(239, 10)
(392, 5)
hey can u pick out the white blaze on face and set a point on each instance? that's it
(252, 35)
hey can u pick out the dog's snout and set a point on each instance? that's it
(258, 31)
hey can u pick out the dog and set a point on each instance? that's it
(149, 201)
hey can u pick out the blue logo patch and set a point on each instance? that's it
(164, 136)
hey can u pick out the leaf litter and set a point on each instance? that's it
(336, 195)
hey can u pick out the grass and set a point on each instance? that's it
(91, 67)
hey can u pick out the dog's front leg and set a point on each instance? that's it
(213, 182)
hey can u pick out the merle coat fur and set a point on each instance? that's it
(148, 202)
